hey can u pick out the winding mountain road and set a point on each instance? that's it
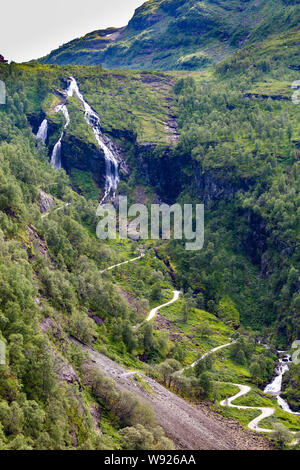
(265, 412)
(188, 426)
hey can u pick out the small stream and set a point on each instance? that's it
(275, 387)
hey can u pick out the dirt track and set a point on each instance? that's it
(189, 427)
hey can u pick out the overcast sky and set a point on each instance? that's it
(32, 28)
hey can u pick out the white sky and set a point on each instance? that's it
(32, 28)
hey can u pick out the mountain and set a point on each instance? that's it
(180, 34)
(81, 364)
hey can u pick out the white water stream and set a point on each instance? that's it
(112, 177)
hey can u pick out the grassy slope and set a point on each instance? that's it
(126, 101)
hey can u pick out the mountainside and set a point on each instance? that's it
(180, 34)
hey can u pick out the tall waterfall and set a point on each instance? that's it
(111, 162)
(56, 153)
(42, 132)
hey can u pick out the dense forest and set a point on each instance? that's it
(180, 34)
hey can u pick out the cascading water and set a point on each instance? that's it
(275, 387)
(56, 153)
(111, 162)
(42, 133)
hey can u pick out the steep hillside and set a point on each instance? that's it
(180, 34)
(52, 287)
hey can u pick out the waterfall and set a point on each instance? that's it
(111, 162)
(56, 153)
(42, 133)
(275, 387)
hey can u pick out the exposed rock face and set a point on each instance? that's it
(161, 323)
(83, 156)
(140, 22)
(62, 368)
(172, 135)
(256, 238)
(45, 201)
(46, 324)
(96, 318)
(35, 120)
(169, 173)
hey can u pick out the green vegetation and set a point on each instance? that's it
(291, 387)
(238, 153)
(244, 155)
